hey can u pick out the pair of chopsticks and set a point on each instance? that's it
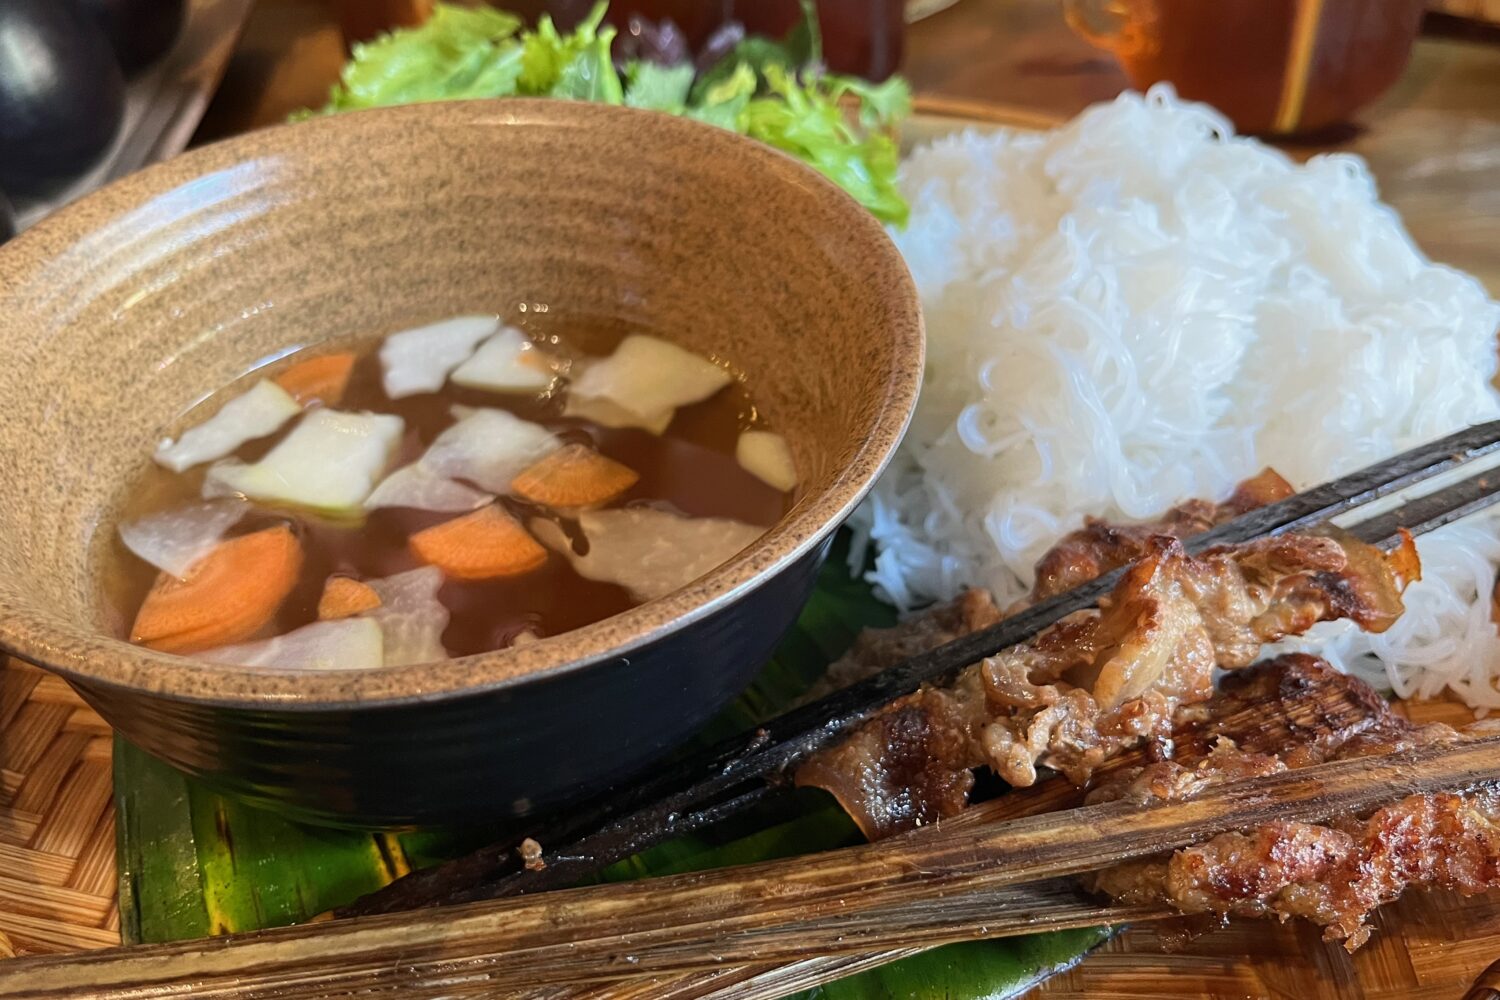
(932, 886)
(730, 778)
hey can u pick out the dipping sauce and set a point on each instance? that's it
(448, 490)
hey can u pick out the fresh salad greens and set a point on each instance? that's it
(773, 91)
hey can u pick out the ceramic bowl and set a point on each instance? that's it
(120, 312)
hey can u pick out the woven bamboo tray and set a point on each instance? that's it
(57, 818)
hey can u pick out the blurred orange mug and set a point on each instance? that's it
(1272, 66)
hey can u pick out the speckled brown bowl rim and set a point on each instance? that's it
(102, 660)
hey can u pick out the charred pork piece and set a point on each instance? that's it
(1104, 680)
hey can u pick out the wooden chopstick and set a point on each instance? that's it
(708, 787)
(935, 885)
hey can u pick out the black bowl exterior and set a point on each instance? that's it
(481, 757)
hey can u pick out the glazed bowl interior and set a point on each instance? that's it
(119, 313)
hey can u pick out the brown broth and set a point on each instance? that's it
(691, 469)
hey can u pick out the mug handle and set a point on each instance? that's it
(1127, 28)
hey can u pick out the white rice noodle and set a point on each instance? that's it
(507, 362)
(417, 487)
(488, 447)
(173, 540)
(346, 644)
(1138, 308)
(329, 462)
(648, 551)
(259, 411)
(419, 360)
(410, 616)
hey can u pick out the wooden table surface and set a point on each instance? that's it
(1434, 145)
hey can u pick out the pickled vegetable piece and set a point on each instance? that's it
(488, 447)
(410, 616)
(646, 378)
(507, 362)
(349, 644)
(227, 596)
(329, 462)
(648, 551)
(767, 457)
(345, 597)
(254, 414)
(417, 487)
(607, 413)
(174, 540)
(574, 476)
(318, 380)
(483, 545)
(420, 360)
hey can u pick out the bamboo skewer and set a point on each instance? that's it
(705, 789)
(1279, 707)
(752, 982)
(939, 884)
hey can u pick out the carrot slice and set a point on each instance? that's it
(323, 378)
(227, 596)
(479, 546)
(574, 476)
(345, 597)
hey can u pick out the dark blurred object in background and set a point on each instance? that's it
(140, 31)
(62, 96)
(7, 218)
(697, 19)
(1275, 67)
(362, 20)
(861, 37)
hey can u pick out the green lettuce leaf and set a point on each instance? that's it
(659, 88)
(590, 75)
(807, 121)
(770, 90)
(724, 102)
(576, 66)
(459, 52)
(881, 105)
(800, 51)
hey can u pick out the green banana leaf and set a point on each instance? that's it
(193, 863)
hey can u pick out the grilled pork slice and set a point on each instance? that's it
(1100, 546)
(1103, 680)
(877, 649)
(1332, 874)
(1295, 706)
